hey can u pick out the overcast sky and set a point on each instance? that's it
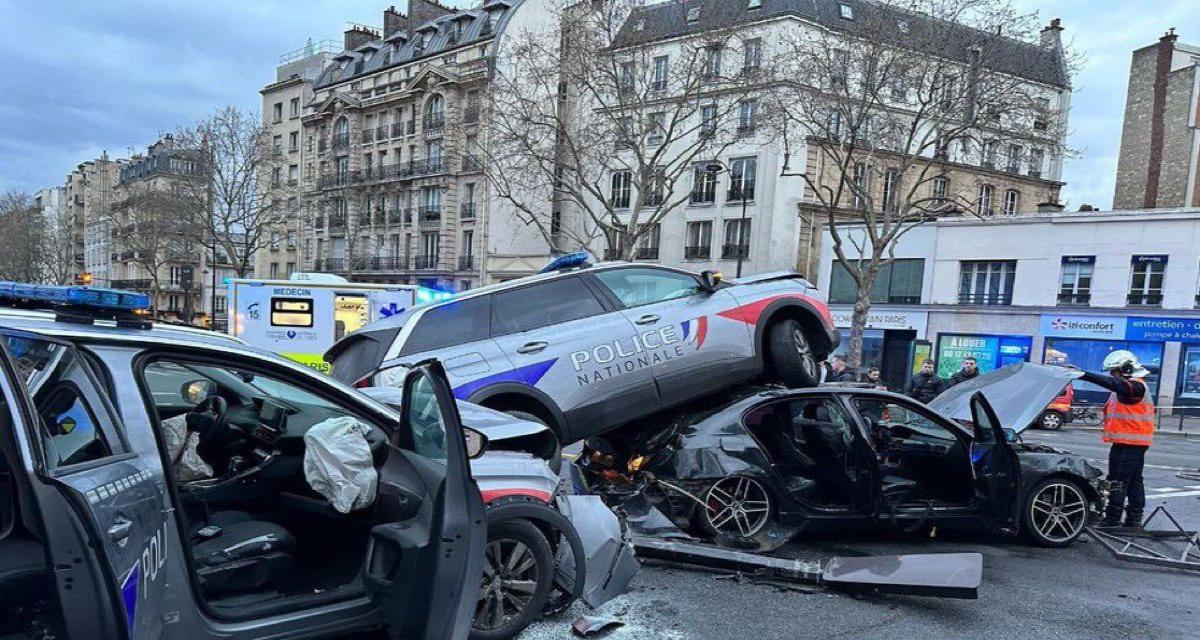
(86, 76)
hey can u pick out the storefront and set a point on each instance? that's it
(887, 340)
(991, 352)
(1084, 341)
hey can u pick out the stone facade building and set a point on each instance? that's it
(1159, 161)
(86, 206)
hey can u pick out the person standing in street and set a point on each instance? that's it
(1129, 428)
(969, 370)
(875, 378)
(840, 371)
(926, 385)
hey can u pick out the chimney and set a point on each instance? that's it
(358, 35)
(1168, 39)
(1052, 34)
(423, 11)
(1049, 207)
(394, 21)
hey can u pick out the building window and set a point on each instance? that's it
(751, 55)
(987, 282)
(747, 114)
(1075, 286)
(704, 184)
(1146, 281)
(277, 112)
(898, 282)
(708, 120)
(861, 186)
(1036, 157)
(990, 150)
(986, 196)
(621, 181)
(891, 190)
(656, 124)
(274, 271)
(626, 80)
(659, 83)
(711, 68)
(699, 240)
(653, 188)
(846, 11)
(295, 108)
(743, 173)
(737, 240)
(940, 187)
(430, 245)
(647, 246)
(1012, 202)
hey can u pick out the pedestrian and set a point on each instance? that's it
(926, 385)
(875, 379)
(1129, 427)
(839, 371)
(969, 370)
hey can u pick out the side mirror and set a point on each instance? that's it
(246, 376)
(476, 442)
(195, 391)
(710, 279)
(1010, 435)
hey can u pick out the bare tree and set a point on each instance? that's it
(23, 230)
(58, 247)
(883, 108)
(596, 135)
(150, 224)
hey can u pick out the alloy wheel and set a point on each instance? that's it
(510, 578)
(1058, 512)
(737, 505)
(807, 360)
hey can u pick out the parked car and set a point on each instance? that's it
(584, 349)
(1058, 412)
(752, 471)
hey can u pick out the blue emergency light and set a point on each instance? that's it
(79, 298)
(425, 294)
(568, 261)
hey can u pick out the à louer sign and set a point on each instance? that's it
(1150, 329)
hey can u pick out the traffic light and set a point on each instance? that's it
(84, 278)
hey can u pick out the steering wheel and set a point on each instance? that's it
(217, 409)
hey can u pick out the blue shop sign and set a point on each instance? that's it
(1163, 329)
(1136, 328)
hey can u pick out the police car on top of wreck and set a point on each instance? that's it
(295, 506)
(584, 349)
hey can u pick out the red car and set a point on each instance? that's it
(1058, 412)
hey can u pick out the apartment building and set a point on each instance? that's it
(1159, 160)
(283, 103)
(86, 205)
(391, 189)
(1049, 287)
(755, 205)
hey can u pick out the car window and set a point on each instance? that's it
(902, 421)
(638, 286)
(553, 302)
(167, 379)
(427, 425)
(450, 324)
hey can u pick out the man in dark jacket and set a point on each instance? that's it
(839, 371)
(969, 370)
(926, 385)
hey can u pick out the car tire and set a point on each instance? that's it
(555, 461)
(1050, 420)
(510, 540)
(728, 493)
(1054, 513)
(790, 356)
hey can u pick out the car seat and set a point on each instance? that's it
(829, 447)
(232, 552)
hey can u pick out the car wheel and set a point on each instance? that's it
(518, 572)
(555, 461)
(1050, 420)
(791, 356)
(1055, 513)
(737, 506)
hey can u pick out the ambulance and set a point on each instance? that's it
(302, 317)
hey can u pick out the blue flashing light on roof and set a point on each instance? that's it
(77, 297)
(568, 261)
(425, 294)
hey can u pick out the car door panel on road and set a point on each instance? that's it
(693, 348)
(562, 339)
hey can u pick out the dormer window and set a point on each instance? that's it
(754, 4)
(846, 11)
(693, 14)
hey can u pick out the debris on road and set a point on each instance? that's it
(1145, 545)
(587, 626)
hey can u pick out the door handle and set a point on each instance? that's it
(532, 347)
(119, 531)
(649, 318)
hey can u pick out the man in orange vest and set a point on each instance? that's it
(1129, 427)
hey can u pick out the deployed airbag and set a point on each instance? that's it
(186, 463)
(338, 463)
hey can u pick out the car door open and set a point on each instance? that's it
(426, 549)
(997, 468)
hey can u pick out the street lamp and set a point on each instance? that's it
(717, 167)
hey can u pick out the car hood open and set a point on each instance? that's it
(1017, 393)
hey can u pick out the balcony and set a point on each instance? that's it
(994, 298)
(697, 252)
(425, 262)
(330, 264)
(466, 263)
(745, 129)
(341, 141)
(1144, 299)
(395, 263)
(735, 195)
(466, 211)
(331, 180)
(434, 123)
(142, 284)
(735, 251)
(646, 253)
(1079, 299)
(429, 216)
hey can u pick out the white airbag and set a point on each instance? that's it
(338, 463)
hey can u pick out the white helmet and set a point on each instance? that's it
(1126, 362)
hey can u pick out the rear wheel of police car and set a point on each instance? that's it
(1050, 420)
(791, 357)
(518, 572)
(1055, 513)
(736, 506)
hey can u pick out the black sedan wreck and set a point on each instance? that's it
(753, 470)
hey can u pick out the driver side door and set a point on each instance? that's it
(997, 468)
(426, 549)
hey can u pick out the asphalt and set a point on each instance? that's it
(1027, 592)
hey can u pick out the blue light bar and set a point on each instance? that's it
(568, 261)
(78, 297)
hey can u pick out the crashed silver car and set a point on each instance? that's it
(751, 471)
(545, 548)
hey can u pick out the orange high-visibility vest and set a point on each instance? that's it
(1129, 423)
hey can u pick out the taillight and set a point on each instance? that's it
(363, 383)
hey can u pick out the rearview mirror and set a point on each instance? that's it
(476, 442)
(196, 391)
(710, 279)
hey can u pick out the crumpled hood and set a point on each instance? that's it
(1017, 393)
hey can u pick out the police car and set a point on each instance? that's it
(110, 528)
(585, 348)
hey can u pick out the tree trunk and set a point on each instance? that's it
(858, 323)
